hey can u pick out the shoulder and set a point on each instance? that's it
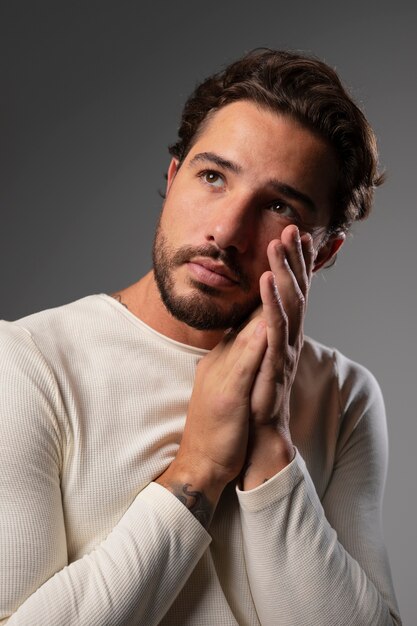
(335, 376)
(60, 330)
(30, 345)
(361, 405)
(17, 349)
(40, 356)
(80, 312)
(30, 401)
(352, 378)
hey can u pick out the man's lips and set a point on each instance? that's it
(211, 273)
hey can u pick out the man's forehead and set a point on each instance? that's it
(248, 126)
(235, 114)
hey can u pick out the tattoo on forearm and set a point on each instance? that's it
(118, 297)
(196, 502)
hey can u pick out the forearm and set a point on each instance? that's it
(296, 567)
(132, 577)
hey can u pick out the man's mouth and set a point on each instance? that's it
(212, 273)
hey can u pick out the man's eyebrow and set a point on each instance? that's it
(216, 159)
(293, 193)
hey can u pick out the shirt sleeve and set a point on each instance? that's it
(132, 577)
(312, 562)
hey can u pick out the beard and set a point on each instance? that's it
(199, 309)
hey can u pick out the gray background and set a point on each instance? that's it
(91, 94)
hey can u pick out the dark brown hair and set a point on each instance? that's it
(310, 92)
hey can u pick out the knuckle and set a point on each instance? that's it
(241, 370)
(241, 340)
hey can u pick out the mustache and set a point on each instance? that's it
(187, 253)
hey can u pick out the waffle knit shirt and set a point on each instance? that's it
(92, 407)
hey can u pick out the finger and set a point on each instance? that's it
(276, 320)
(240, 350)
(299, 256)
(309, 253)
(245, 358)
(291, 295)
(272, 369)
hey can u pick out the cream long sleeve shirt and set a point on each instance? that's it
(92, 407)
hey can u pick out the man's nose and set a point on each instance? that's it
(232, 223)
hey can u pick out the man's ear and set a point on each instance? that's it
(172, 170)
(329, 250)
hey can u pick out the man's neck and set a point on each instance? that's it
(143, 300)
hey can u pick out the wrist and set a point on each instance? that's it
(270, 450)
(195, 484)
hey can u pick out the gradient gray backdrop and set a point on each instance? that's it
(91, 94)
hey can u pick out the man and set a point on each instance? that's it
(183, 455)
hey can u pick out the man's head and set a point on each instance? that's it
(310, 92)
(273, 141)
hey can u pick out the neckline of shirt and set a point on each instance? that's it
(120, 308)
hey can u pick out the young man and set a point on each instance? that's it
(183, 455)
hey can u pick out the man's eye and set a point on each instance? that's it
(212, 178)
(283, 209)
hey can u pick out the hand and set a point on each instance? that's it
(215, 438)
(284, 292)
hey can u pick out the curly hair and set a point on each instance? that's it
(309, 91)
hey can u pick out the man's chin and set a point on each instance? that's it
(202, 312)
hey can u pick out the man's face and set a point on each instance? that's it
(249, 174)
